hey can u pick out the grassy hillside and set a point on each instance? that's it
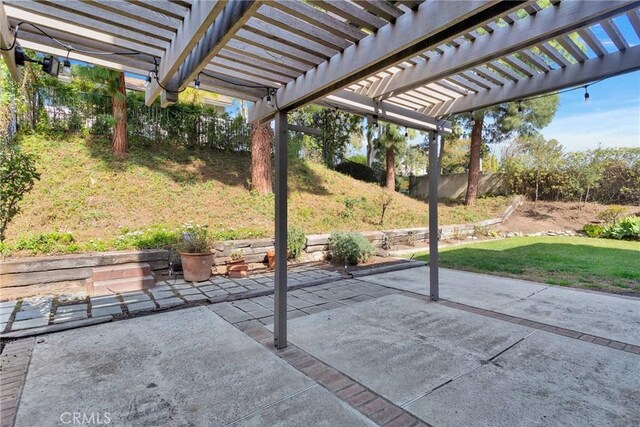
(87, 192)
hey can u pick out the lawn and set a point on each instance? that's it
(610, 265)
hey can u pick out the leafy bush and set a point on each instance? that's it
(626, 229)
(296, 239)
(352, 248)
(350, 203)
(610, 215)
(56, 242)
(593, 230)
(17, 176)
(359, 171)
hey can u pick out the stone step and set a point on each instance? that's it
(126, 284)
(121, 271)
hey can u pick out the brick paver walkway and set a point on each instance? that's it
(41, 313)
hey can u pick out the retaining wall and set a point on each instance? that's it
(454, 185)
(66, 274)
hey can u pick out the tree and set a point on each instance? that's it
(501, 122)
(17, 176)
(111, 84)
(392, 142)
(261, 143)
(541, 156)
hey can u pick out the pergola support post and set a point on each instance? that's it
(434, 174)
(280, 291)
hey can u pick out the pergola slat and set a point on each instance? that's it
(91, 24)
(381, 8)
(572, 75)
(592, 41)
(266, 55)
(614, 34)
(258, 63)
(163, 6)
(634, 19)
(392, 44)
(548, 23)
(186, 38)
(249, 71)
(352, 13)
(318, 18)
(260, 42)
(573, 50)
(554, 55)
(7, 41)
(533, 60)
(133, 11)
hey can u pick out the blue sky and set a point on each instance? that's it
(611, 118)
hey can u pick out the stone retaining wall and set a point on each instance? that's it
(54, 275)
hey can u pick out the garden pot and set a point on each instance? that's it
(271, 259)
(237, 269)
(196, 267)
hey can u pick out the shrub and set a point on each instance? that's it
(56, 242)
(296, 239)
(610, 215)
(352, 248)
(17, 176)
(626, 229)
(155, 237)
(350, 204)
(359, 171)
(593, 230)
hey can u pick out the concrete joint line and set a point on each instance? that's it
(449, 381)
(250, 414)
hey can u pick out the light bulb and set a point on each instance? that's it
(269, 103)
(197, 82)
(65, 74)
(587, 98)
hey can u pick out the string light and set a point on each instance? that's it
(197, 82)
(520, 106)
(406, 133)
(586, 94)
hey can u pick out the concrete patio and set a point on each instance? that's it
(363, 351)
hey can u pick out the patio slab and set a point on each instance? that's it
(451, 367)
(600, 314)
(187, 367)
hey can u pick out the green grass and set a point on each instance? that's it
(610, 265)
(84, 190)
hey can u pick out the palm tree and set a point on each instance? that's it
(392, 140)
(110, 83)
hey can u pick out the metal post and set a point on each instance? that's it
(280, 291)
(434, 174)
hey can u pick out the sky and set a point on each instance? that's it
(611, 118)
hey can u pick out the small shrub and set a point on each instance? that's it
(611, 214)
(56, 242)
(593, 230)
(296, 239)
(384, 200)
(193, 239)
(358, 171)
(352, 248)
(236, 255)
(17, 176)
(350, 204)
(626, 229)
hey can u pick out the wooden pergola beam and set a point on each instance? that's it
(545, 25)
(194, 26)
(411, 34)
(572, 75)
(6, 41)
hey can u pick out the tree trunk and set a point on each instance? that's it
(261, 142)
(370, 150)
(474, 162)
(537, 187)
(391, 170)
(119, 105)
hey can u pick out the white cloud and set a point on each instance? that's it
(617, 127)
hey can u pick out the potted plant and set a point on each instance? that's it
(296, 240)
(271, 258)
(195, 254)
(236, 267)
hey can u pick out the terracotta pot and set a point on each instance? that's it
(237, 269)
(271, 259)
(196, 267)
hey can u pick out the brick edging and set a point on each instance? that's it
(570, 333)
(15, 357)
(375, 407)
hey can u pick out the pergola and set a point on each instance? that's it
(412, 63)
